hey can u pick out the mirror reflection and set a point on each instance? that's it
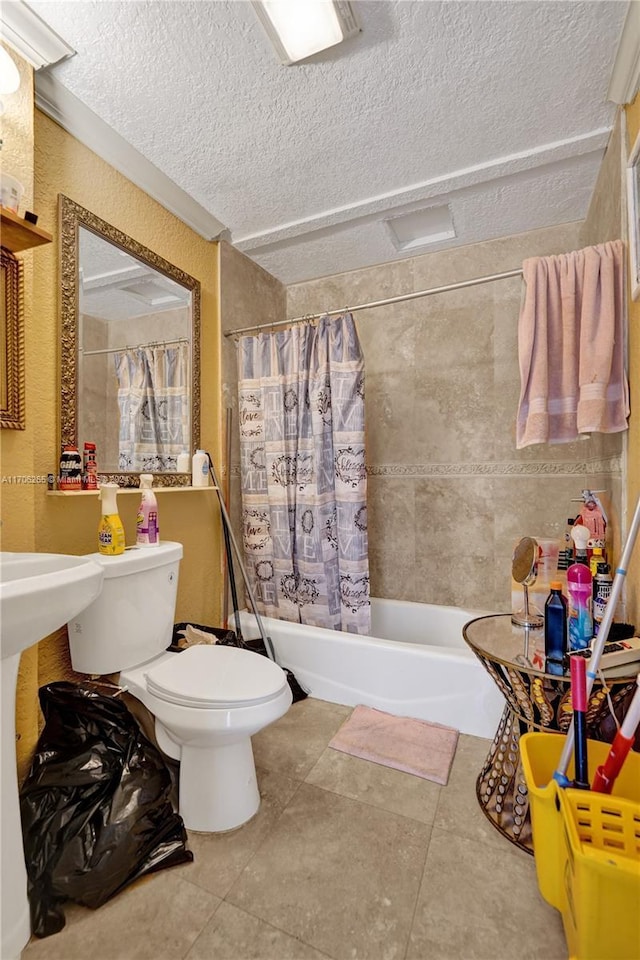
(130, 334)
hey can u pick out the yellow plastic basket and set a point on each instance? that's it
(587, 850)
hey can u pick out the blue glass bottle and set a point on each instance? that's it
(555, 630)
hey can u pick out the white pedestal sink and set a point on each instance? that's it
(39, 592)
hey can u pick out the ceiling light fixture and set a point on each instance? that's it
(9, 76)
(299, 28)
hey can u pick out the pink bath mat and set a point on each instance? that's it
(414, 746)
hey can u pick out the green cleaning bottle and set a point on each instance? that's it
(110, 530)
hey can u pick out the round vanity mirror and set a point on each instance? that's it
(524, 570)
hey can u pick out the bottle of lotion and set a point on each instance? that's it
(580, 592)
(110, 529)
(147, 528)
(183, 462)
(200, 469)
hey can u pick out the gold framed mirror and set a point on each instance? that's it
(12, 413)
(130, 351)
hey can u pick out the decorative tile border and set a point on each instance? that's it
(504, 468)
(509, 468)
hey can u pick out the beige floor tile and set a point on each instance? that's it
(458, 808)
(232, 934)
(479, 903)
(376, 784)
(157, 918)
(338, 874)
(220, 858)
(293, 745)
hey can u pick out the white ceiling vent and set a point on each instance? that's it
(421, 227)
(154, 293)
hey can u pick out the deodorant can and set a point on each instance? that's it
(602, 586)
(90, 467)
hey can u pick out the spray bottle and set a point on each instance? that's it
(580, 592)
(110, 529)
(147, 528)
(593, 517)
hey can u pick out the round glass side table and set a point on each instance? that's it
(535, 700)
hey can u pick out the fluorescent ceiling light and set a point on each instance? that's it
(300, 28)
(154, 294)
(420, 227)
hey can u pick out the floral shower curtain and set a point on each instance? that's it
(153, 398)
(301, 408)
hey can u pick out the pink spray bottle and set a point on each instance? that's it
(579, 592)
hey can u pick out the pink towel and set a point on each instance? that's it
(571, 346)
(414, 746)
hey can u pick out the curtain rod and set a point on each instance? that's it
(378, 303)
(137, 346)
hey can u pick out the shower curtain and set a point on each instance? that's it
(153, 400)
(301, 410)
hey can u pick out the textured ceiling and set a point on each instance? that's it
(495, 108)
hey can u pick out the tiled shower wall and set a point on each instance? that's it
(248, 294)
(448, 492)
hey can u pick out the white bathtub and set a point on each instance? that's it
(415, 664)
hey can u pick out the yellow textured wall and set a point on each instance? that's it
(16, 446)
(633, 461)
(63, 165)
(17, 530)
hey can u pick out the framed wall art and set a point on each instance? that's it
(12, 344)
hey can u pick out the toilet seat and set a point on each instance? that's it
(212, 677)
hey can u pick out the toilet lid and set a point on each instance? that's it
(208, 675)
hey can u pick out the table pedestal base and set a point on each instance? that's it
(501, 788)
(534, 701)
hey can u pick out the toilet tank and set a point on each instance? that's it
(132, 619)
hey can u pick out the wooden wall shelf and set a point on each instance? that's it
(19, 235)
(156, 490)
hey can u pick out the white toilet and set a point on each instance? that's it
(207, 701)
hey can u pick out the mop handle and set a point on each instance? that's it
(226, 579)
(227, 524)
(560, 774)
(606, 774)
(579, 701)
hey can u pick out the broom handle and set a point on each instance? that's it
(561, 772)
(227, 496)
(232, 582)
(254, 606)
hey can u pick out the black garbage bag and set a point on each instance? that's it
(95, 806)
